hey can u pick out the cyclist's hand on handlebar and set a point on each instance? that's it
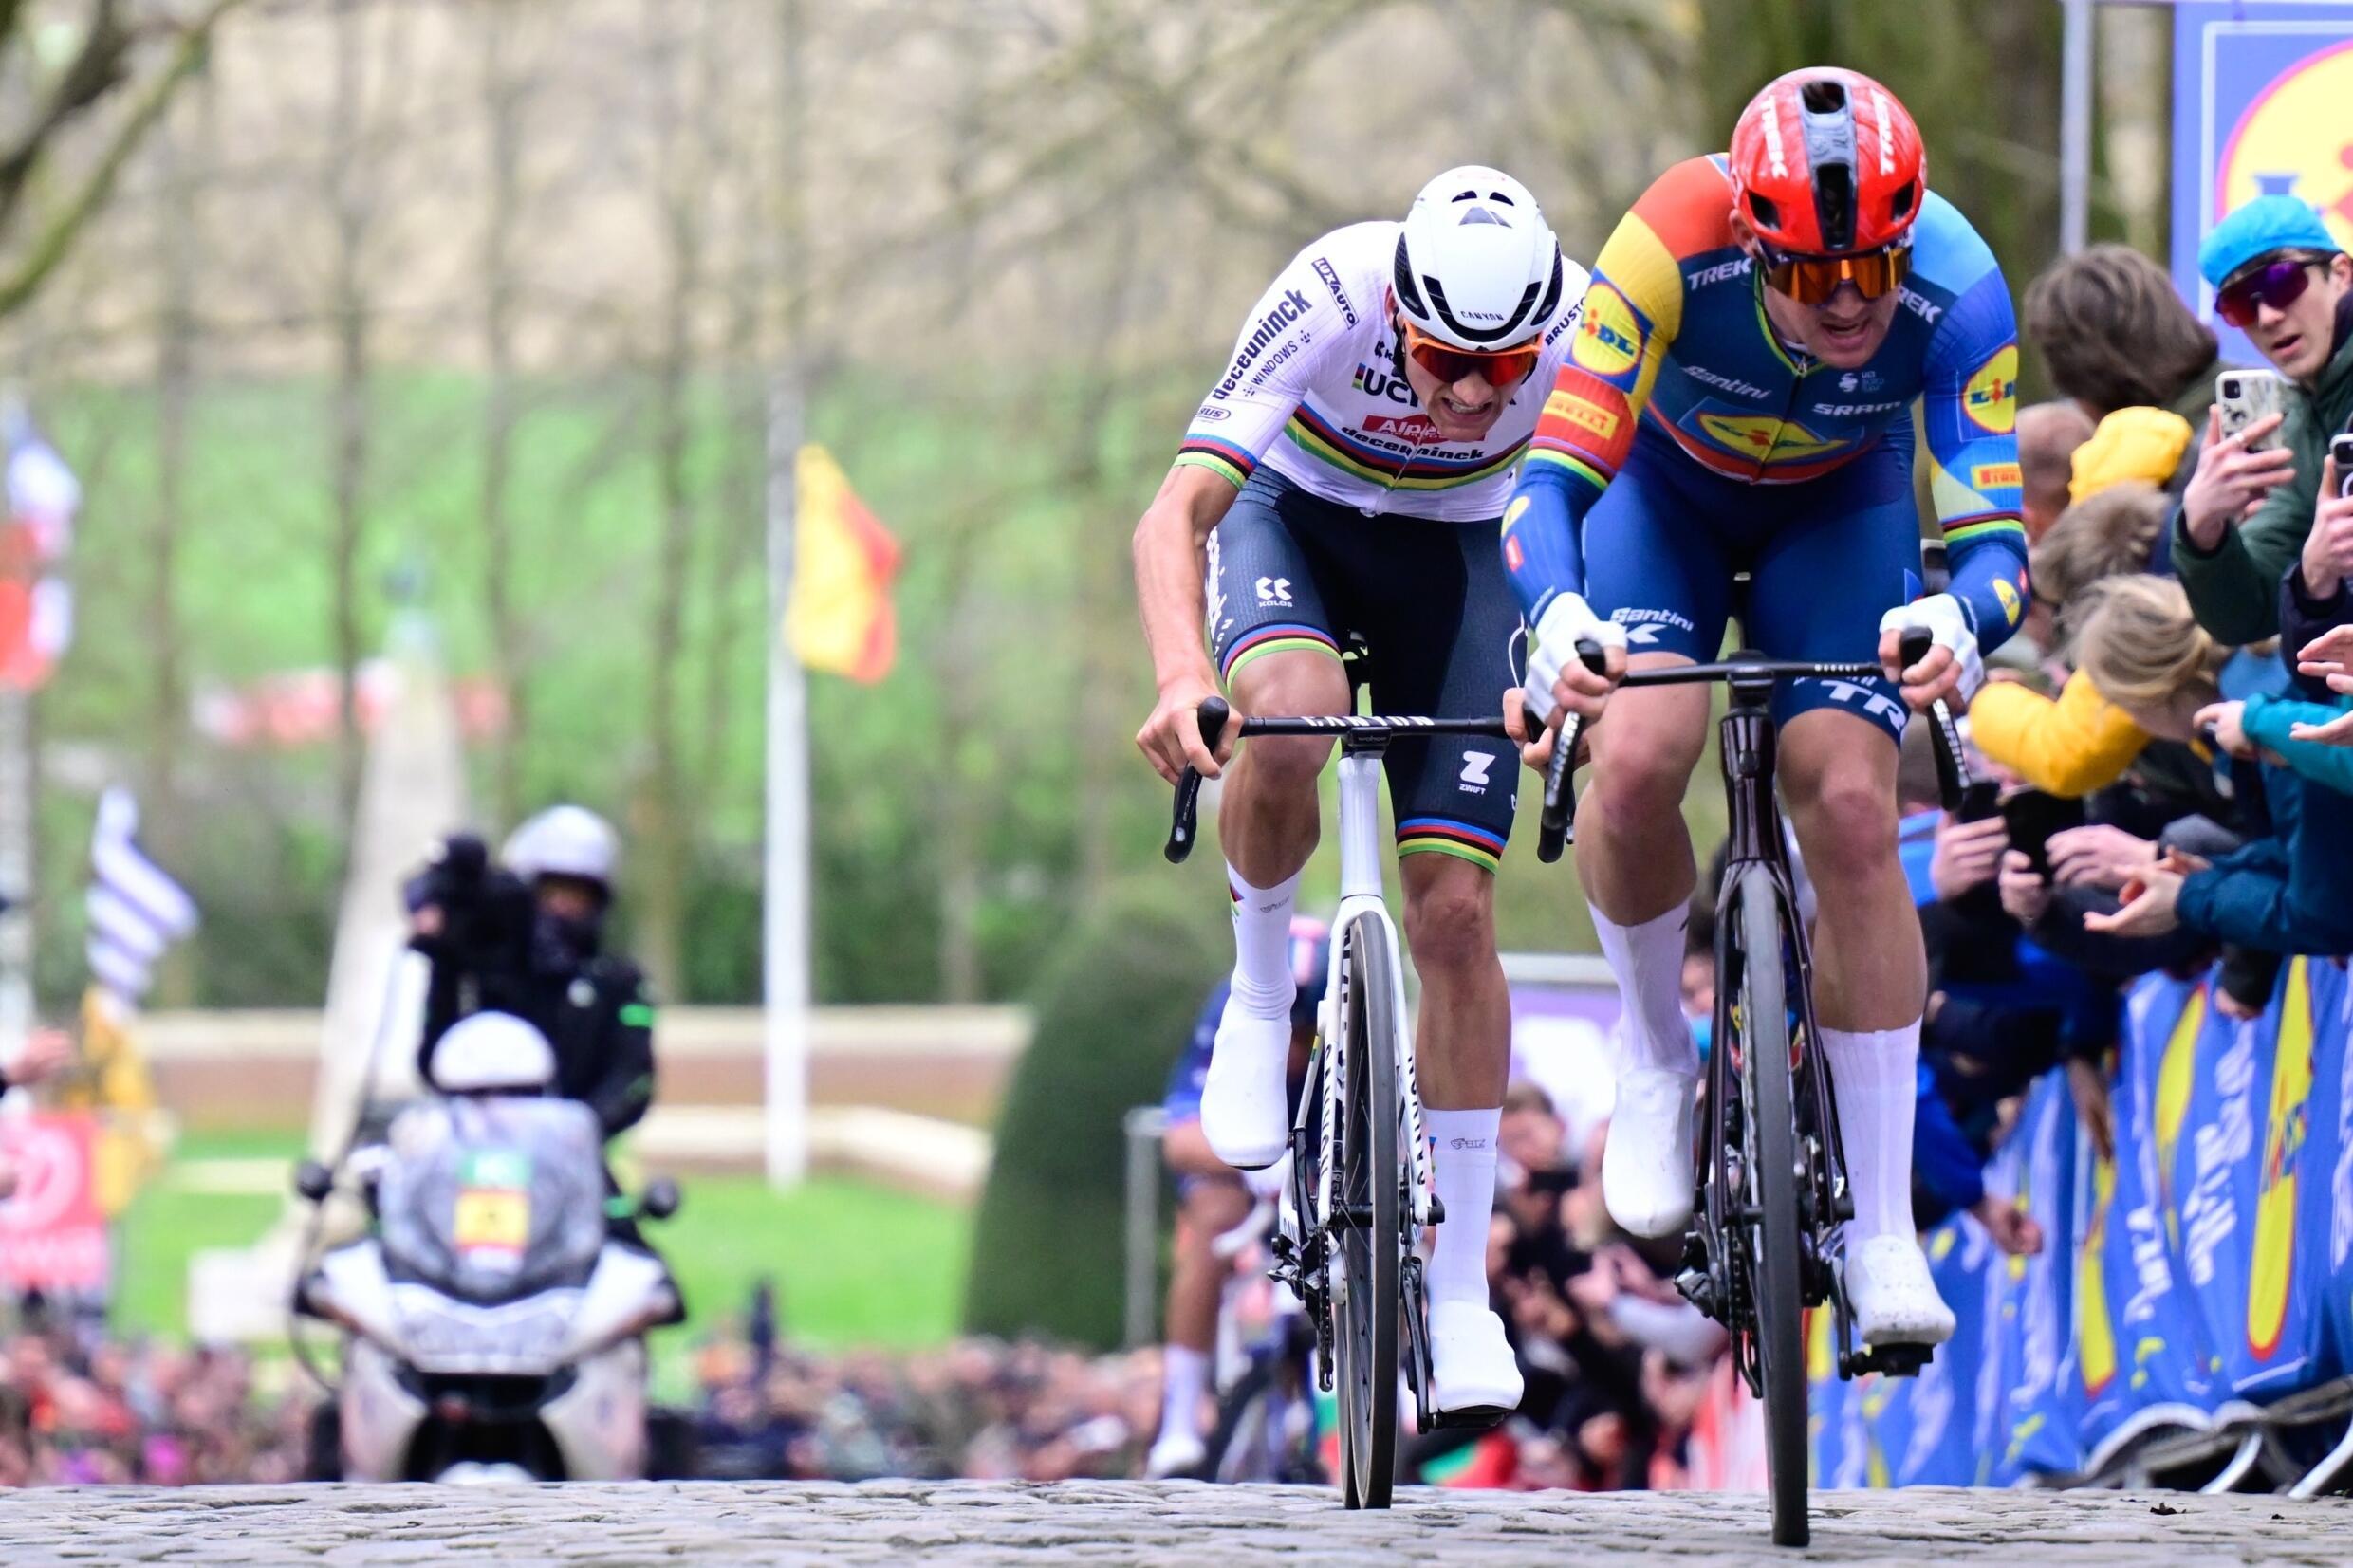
(1558, 681)
(1953, 669)
(1171, 738)
(1534, 736)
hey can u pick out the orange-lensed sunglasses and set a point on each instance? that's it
(1811, 280)
(1503, 367)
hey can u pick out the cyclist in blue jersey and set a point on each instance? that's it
(1740, 396)
(1213, 1198)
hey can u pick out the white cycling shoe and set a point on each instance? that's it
(1245, 1109)
(1477, 1376)
(1175, 1453)
(1646, 1165)
(1892, 1295)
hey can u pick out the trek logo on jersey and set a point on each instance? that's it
(1581, 412)
(1475, 767)
(1292, 305)
(1991, 399)
(1995, 476)
(1885, 708)
(1764, 437)
(1722, 272)
(1339, 296)
(1609, 339)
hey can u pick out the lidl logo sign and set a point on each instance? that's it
(1991, 400)
(1760, 437)
(1609, 339)
(2296, 139)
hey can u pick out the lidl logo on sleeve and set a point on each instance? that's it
(1609, 339)
(1581, 412)
(1991, 400)
(2296, 139)
(2012, 607)
(1762, 437)
(1993, 476)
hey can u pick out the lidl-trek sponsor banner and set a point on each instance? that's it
(2036, 1421)
(2138, 1351)
(2261, 92)
(52, 1236)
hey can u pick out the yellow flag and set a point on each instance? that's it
(840, 618)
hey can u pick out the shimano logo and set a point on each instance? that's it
(1292, 305)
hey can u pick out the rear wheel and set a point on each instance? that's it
(1368, 1222)
(1776, 1261)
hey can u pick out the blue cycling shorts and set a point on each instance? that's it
(1826, 558)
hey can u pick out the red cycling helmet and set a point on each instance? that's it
(1827, 162)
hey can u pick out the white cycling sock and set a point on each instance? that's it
(1875, 1073)
(1263, 983)
(1184, 1373)
(1463, 1176)
(1648, 961)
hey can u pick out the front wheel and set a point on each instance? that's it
(1773, 1242)
(1368, 1219)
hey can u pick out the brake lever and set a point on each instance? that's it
(1951, 767)
(1184, 821)
(1555, 826)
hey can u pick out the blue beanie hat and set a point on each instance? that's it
(2264, 226)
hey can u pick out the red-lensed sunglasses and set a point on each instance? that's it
(1503, 367)
(2279, 285)
(1811, 280)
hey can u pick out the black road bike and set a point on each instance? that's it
(1765, 1243)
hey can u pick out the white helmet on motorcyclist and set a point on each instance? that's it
(564, 841)
(491, 1053)
(1477, 267)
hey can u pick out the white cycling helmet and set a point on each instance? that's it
(563, 841)
(483, 1053)
(1477, 267)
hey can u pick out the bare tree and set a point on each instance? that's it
(502, 114)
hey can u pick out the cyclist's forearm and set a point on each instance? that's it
(1169, 593)
(1540, 548)
(1988, 562)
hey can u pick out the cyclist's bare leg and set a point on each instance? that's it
(1463, 1057)
(1267, 826)
(1838, 777)
(1195, 1285)
(1267, 820)
(1634, 855)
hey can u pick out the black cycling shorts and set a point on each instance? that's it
(1428, 600)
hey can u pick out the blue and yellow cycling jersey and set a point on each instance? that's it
(1675, 352)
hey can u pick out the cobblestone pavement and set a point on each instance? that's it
(971, 1522)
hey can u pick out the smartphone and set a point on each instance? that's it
(1982, 798)
(2340, 448)
(2033, 817)
(2245, 396)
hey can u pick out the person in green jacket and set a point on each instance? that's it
(2283, 279)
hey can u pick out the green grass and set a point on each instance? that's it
(855, 1263)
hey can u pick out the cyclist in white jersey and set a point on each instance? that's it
(1345, 476)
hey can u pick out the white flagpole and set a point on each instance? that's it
(786, 908)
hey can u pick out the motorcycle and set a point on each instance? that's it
(492, 1328)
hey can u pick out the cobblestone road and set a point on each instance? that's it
(1083, 1523)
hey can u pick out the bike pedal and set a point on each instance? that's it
(1887, 1360)
(1474, 1418)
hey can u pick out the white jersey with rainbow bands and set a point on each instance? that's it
(1314, 392)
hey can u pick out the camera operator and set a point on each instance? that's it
(525, 935)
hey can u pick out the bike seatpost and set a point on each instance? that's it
(1951, 767)
(1560, 801)
(1184, 821)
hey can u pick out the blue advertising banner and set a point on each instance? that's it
(2261, 89)
(2209, 1267)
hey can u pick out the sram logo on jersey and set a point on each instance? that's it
(1293, 306)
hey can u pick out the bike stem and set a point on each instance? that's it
(1359, 822)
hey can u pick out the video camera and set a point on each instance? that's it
(487, 916)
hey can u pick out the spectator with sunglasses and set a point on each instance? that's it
(1345, 477)
(1740, 397)
(2280, 277)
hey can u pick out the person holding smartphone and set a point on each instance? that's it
(2283, 279)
